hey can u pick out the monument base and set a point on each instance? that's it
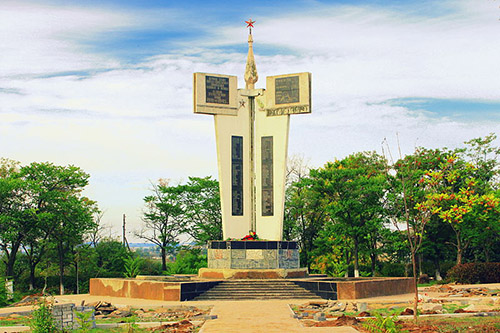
(253, 255)
(235, 274)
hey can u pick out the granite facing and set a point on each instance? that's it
(253, 255)
(356, 288)
(372, 287)
(324, 289)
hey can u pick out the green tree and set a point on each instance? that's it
(201, 209)
(460, 203)
(408, 189)
(408, 193)
(355, 189)
(163, 218)
(13, 199)
(305, 215)
(59, 209)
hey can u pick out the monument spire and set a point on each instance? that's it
(251, 75)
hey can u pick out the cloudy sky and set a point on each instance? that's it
(107, 84)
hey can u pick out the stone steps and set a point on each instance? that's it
(256, 289)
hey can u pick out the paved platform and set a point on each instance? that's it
(260, 316)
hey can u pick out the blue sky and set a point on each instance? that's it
(107, 85)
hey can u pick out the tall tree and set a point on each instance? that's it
(13, 212)
(163, 218)
(408, 203)
(305, 215)
(460, 203)
(355, 189)
(201, 208)
(60, 211)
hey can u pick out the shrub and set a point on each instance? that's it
(393, 269)
(187, 262)
(43, 321)
(488, 272)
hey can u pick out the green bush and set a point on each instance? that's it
(4, 299)
(42, 320)
(187, 262)
(393, 269)
(488, 272)
(150, 266)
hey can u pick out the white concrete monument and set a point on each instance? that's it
(251, 127)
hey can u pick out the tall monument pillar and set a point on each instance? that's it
(251, 127)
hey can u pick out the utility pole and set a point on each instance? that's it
(125, 242)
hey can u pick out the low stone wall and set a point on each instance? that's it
(356, 288)
(65, 316)
(147, 289)
(372, 287)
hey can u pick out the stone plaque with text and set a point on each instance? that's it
(267, 176)
(237, 175)
(288, 94)
(215, 94)
(286, 90)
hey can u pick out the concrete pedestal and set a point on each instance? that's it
(252, 260)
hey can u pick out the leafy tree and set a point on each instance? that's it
(163, 218)
(201, 209)
(332, 251)
(408, 189)
(354, 189)
(60, 210)
(408, 193)
(459, 202)
(12, 212)
(305, 214)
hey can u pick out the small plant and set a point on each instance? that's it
(131, 324)
(132, 267)
(42, 319)
(381, 324)
(83, 318)
(4, 297)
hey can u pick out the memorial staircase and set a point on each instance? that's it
(256, 289)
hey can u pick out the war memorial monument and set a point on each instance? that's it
(251, 128)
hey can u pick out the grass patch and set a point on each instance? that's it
(386, 311)
(24, 321)
(462, 324)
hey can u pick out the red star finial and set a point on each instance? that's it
(250, 24)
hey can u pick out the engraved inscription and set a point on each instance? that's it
(286, 90)
(217, 89)
(237, 175)
(296, 109)
(267, 176)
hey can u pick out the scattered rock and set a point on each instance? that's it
(431, 307)
(346, 321)
(320, 316)
(319, 303)
(362, 306)
(424, 278)
(15, 315)
(407, 312)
